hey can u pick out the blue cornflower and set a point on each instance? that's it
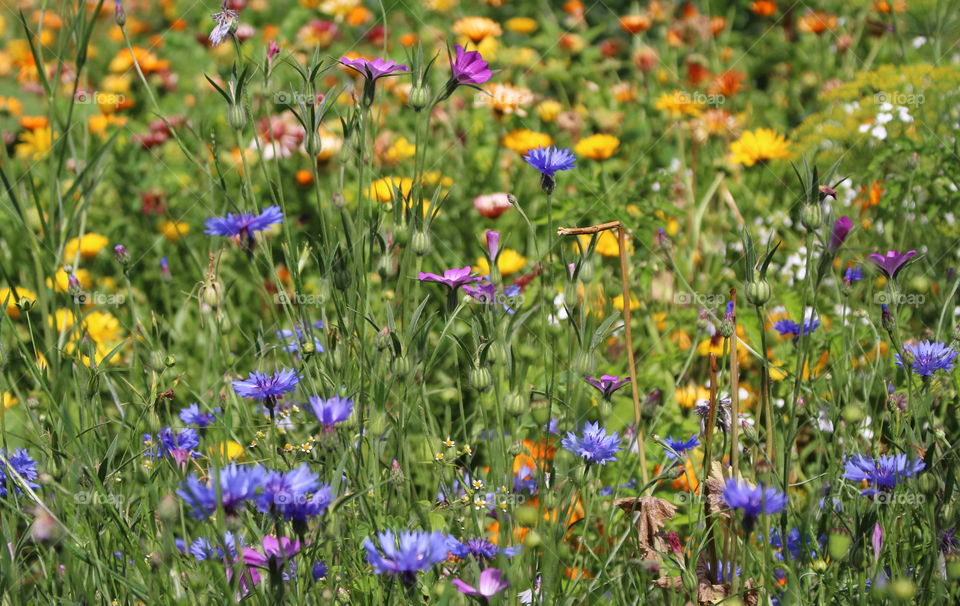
(23, 466)
(411, 552)
(481, 549)
(301, 335)
(330, 411)
(191, 415)
(243, 224)
(594, 445)
(262, 386)
(852, 274)
(929, 357)
(525, 480)
(753, 500)
(548, 160)
(787, 326)
(202, 549)
(676, 447)
(294, 495)
(319, 571)
(237, 485)
(884, 472)
(168, 440)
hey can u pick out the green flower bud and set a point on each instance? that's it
(480, 378)
(421, 243)
(237, 116)
(402, 365)
(516, 403)
(811, 216)
(584, 363)
(419, 97)
(853, 413)
(838, 544)
(382, 339)
(758, 292)
(587, 270)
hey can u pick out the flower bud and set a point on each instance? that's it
(584, 363)
(396, 474)
(838, 543)
(419, 97)
(421, 243)
(811, 216)
(480, 378)
(515, 403)
(548, 183)
(119, 15)
(402, 365)
(312, 144)
(121, 255)
(758, 292)
(382, 340)
(237, 116)
(73, 286)
(586, 270)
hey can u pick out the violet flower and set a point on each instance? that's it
(892, 262)
(373, 69)
(469, 68)
(841, 229)
(451, 278)
(491, 583)
(607, 384)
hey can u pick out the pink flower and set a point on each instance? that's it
(491, 583)
(469, 67)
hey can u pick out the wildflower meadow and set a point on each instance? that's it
(479, 301)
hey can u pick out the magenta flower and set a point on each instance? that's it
(374, 69)
(276, 553)
(493, 243)
(892, 262)
(491, 583)
(469, 67)
(841, 229)
(451, 278)
(607, 384)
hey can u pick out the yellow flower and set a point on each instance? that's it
(597, 147)
(11, 105)
(521, 25)
(607, 244)
(523, 140)
(687, 395)
(228, 449)
(88, 246)
(61, 279)
(102, 327)
(34, 144)
(401, 149)
(678, 104)
(98, 124)
(617, 302)
(9, 299)
(172, 230)
(549, 110)
(440, 6)
(384, 189)
(759, 145)
(509, 261)
(476, 28)
(6, 401)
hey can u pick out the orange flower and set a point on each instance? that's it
(304, 178)
(408, 39)
(817, 22)
(727, 83)
(870, 197)
(635, 24)
(764, 8)
(34, 122)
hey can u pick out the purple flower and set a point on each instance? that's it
(486, 292)
(406, 554)
(929, 357)
(607, 384)
(677, 447)
(294, 495)
(202, 549)
(753, 500)
(375, 68)
(548, 160)
(191, 415)
(301, 335)
(493, 244)
(594, 445)
(237, 485)
(168, 442)
(884, 472)
(852, 274)
(469, 67)
(491, 583)
(841, 229)
(892, 262)
(225, 21)
(452, 278)
(244, 224)
(787, 326)
(330, 411)
(276, 552)
(319, 571)
(261, 386)
(481, 549)
(22, 465)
